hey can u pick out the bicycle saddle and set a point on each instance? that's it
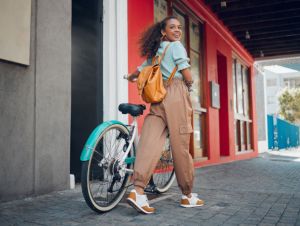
(132, 109)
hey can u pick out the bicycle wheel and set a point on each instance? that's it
(164, 174)
(103, 183)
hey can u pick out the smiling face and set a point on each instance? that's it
(172, 31)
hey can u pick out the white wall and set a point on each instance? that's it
(261, 105)
(115, 58)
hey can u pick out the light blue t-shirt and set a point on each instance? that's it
(175, 55)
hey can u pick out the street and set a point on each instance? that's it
(260, 191)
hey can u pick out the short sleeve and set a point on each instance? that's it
(144, 64)
(180, 56)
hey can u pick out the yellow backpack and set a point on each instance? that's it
(150, 82)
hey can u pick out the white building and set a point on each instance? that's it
(277, 78)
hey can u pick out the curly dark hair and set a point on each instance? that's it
(151, 38)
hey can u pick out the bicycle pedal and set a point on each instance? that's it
(152, 190)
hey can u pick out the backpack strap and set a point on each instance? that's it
(159, 59)
(175, 68)
(164, 52)
(172, 75)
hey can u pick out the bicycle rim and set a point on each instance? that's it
(103, 184)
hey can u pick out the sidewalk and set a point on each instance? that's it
(260, 191)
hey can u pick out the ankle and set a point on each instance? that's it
(139, 190)
(187, 195)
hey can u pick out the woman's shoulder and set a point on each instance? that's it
(177, 44)
(177, 47)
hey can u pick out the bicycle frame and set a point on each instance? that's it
(133, 141)
(92, 140)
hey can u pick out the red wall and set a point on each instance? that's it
(140, 16)
(217, 39)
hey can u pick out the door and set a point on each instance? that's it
(223, 111)
(87, 102)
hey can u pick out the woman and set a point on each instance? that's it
(173, 114)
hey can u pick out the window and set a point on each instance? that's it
(183, 22)
(192, 33)
(292, 82)
(271, 82)
(160, 9)
(271, 100)
(243, 122)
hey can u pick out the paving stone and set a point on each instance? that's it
(284, 224)
(288, 220)
(270, 220)
(251, 192)
(266, 224)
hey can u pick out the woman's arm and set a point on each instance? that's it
(187, 77)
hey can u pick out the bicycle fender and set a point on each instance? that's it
(91, 141)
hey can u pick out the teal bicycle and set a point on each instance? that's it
(108, 159)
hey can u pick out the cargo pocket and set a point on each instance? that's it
(185, 129)
(185, 132)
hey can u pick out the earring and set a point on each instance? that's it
(163, 37)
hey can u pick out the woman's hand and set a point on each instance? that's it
(133, 77)
(188, 79)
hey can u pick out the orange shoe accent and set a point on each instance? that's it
(132, 196)
(148, 209)
(194, 201)
(184, 202)
(200, 202)
(132, 201)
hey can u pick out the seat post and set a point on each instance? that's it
(136, 130)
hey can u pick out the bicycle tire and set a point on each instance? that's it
(164, 174)
(94, 174)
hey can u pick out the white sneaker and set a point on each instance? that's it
(139, 202)
(194, 201)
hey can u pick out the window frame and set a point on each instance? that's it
(243, 123)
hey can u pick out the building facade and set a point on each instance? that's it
(221, 134)
(79, 52)
(35, 103)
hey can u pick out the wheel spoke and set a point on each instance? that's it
(100, 176)
(164, 174)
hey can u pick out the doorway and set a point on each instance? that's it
(87, 76)
(223, 111)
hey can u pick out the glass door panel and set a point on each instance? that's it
(246, 91)
(234, 86)
(160, 10)
(239, 84)
(197, 131)
(194, 36)
(195, 68)
(182, 21)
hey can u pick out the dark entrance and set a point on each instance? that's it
(223, 112)
(87, 77)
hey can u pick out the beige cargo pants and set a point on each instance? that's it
(174, 114)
